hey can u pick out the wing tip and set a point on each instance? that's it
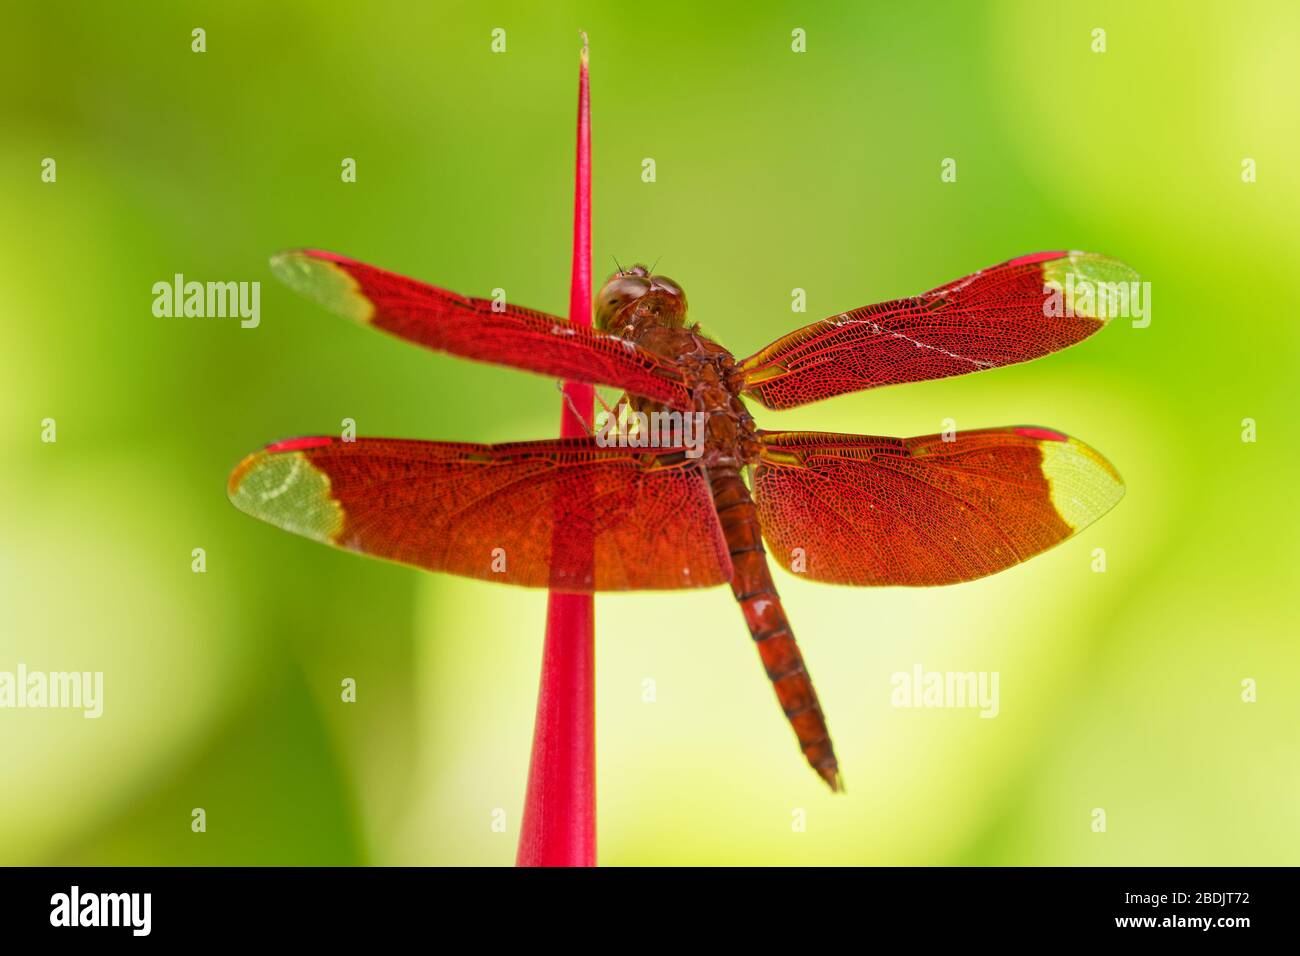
(1083, 484)
(325, 278)
(1041, 433)
(248, 462)
(237, 475)
(1088, 285)
(278, 484)
(1079, 258)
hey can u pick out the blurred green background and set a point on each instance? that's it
(775, 170)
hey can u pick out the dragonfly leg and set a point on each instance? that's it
(573, 409)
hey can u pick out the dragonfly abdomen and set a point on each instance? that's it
(756, 593)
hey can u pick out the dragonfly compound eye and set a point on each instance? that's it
(618, 293)
(667, 286)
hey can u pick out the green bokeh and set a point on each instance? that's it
(775, 170)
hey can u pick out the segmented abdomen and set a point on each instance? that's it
(756, 594)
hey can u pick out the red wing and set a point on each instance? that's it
(1013, 312)
(921, 511)
(473, 328)
(524, 513)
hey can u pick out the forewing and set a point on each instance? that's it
(1013, 312)
(479, 329)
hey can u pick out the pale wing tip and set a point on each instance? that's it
(1084, 484)
(1094, 266)
(283, 488)
(320, 276)
(236, 478)
(1090, 285)
(1097, 267)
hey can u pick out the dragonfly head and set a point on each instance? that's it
(633, 299)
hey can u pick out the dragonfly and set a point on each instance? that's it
(589, 515)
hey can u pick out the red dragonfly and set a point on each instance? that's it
(583, 515)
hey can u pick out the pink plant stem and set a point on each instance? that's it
(559, 826)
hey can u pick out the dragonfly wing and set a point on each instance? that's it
(1013, 312)
(855, 509)
(480, 329)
